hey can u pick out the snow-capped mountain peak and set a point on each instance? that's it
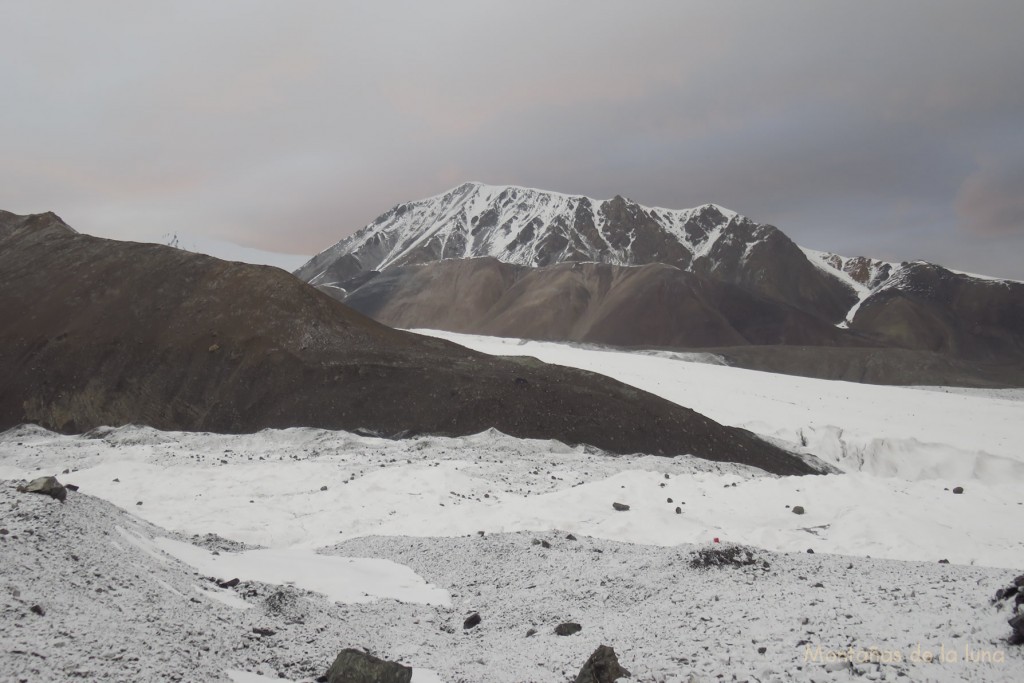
(525, 226)
(536, 228)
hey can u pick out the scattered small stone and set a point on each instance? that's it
(810, 551)
(139, 502)
(958, 489)
(228, 584)
(762, 650)
(679, 510)
(570, 537)
(38, 609)
(471, 621)
(568, 628)
(263, 631)
(323, 488)
(620, 507)
(531, 632)
(669, 500)
(602, 667)
(943, 561)
(798, 509)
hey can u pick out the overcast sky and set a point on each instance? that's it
(889, 129)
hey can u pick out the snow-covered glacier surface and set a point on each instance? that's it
(340, 540)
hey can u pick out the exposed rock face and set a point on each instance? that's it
(98, 332)
(602, 667)
(354, 666)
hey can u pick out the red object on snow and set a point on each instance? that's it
(716, 539)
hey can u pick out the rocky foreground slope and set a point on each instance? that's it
(98, 332)
(86, 592)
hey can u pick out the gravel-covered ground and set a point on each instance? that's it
(85, 596)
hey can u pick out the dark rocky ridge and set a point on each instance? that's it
(98, 332)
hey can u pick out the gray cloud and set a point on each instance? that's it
(991, 200)
(889, 129)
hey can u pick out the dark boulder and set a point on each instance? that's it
(471, 621)
(798, 509)
(48, 486)
(620, 507)
(602, 667)
(354, 666)
(958, 489)
(568, 628)
(1017, 624)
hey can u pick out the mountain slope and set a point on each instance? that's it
(925, 306)
(98, 332)
(535, 228)
(652, 305)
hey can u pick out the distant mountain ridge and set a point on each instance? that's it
(535, 228)
(736, 271)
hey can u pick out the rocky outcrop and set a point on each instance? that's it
(355, 666)
(1011, 598)
(602, 667)
(47, 486)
